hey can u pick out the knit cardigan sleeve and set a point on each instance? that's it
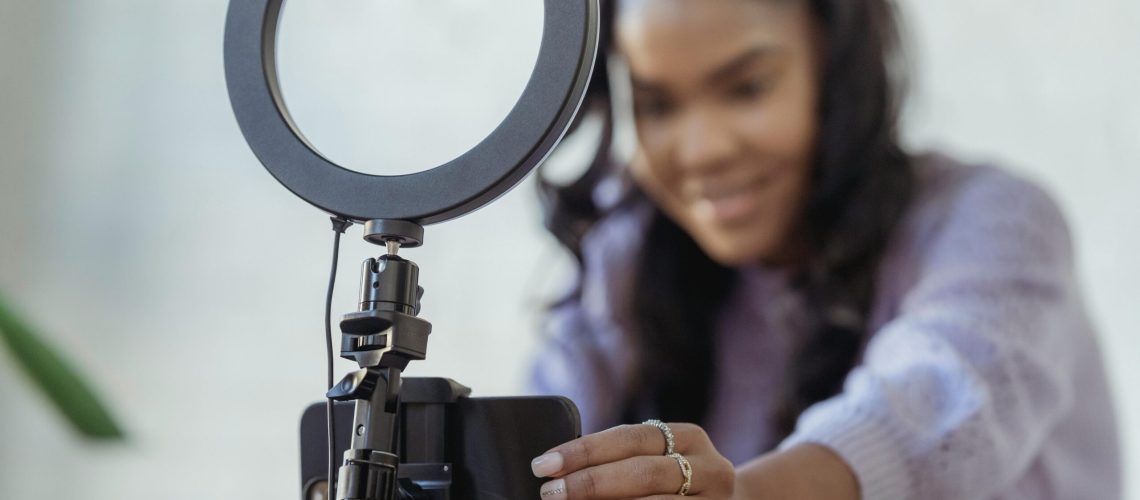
(586, 356)
(956, 394)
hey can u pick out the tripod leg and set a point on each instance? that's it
(371, 464)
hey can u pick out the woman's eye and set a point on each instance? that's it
(749, 90)
(652, 107)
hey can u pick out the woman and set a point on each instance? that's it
(835, 318)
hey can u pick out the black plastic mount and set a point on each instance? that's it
(521, 142)
(407, 234)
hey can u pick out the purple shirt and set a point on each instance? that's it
(982, 378)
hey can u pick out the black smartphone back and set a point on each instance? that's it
(488, 443)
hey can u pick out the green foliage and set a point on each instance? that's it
(54, 376)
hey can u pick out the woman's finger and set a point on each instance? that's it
(629, 478)
(611, 445)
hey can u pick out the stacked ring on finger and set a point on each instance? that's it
(670, 442)
(686, 470)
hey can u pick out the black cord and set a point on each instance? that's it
(339, 227)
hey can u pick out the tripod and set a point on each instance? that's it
(383, 336)
(421, 438)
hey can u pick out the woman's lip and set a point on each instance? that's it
(726, 189)
(729, 205)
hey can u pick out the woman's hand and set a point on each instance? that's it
(629, 461)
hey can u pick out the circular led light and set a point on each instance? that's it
(524, 138)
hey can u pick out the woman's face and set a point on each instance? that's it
(725, 101)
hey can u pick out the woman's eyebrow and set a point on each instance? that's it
(742, 61)
(723, 71)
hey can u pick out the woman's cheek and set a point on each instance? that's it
(650, 166)
(650, 180)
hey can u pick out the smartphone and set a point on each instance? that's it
(451, 446)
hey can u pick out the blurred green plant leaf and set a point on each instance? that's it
(61, 383)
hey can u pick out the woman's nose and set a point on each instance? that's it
(704, 142)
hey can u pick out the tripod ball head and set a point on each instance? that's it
(390, 283)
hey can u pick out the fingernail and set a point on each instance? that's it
(546, 465)
(554, 490)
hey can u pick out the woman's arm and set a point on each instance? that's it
(584, 350)
(806, 471)
(957, 395)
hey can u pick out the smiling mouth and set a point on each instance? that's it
(728, 204)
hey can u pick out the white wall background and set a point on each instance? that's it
(139, 232)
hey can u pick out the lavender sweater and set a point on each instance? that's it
(982, 378)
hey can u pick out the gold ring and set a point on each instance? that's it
(686, 470)
(669, 441)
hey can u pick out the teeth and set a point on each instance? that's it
(723, 190)
(713, 195)
(727, 192)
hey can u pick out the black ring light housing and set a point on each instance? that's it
(521, 142)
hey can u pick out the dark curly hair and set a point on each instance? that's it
(862, 181)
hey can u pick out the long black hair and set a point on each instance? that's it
(861, 182)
